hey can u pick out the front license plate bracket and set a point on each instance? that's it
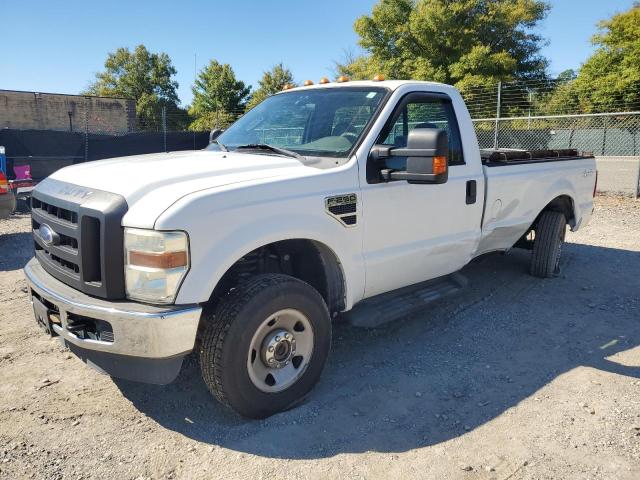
(41, 313)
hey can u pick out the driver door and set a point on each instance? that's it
(416, 232)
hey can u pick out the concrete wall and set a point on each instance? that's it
(619, 175)
(49, 111)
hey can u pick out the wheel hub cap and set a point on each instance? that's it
(278, 348)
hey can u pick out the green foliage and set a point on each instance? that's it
(468, 43)
(610, 79)
(140, 75)
(217, 96)
(272, 81)
(210, 120)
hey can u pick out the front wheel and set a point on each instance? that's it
(265, 346)
(547, 245)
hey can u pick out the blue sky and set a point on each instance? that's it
(57, 46)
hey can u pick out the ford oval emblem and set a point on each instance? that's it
(48, 236)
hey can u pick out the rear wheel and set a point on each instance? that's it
(547, 245)
(265, 346)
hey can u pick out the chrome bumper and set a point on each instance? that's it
(139, 330)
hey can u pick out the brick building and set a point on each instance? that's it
(53, 111)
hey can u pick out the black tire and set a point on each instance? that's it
(547, 245)
(226, 338)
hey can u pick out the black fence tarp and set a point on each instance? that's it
(47, 151)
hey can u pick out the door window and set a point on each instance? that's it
(422, 112)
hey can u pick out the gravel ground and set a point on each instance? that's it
(515, 378)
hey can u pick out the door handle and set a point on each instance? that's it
(471, 192)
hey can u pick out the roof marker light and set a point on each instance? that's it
(308, 83)
(342, 79)
(378, 78)
(287, 86)
(324, 80)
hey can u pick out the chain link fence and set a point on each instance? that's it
(533, 115)
(49, 131)
(542, 114)
(610, 134)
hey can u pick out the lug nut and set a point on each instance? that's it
(271, 349)
(277, 339)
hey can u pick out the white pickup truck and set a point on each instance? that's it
(359, 197)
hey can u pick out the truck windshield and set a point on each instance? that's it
(316, 122)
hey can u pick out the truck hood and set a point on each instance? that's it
(154, 182)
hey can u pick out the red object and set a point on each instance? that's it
(4, 185)
(16, 184)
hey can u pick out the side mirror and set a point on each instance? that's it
(215, 133)
(427, 155)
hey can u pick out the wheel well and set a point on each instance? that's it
(307, 260)
(562, 204)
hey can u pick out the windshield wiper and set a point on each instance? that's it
(221, 145)
(264, 146)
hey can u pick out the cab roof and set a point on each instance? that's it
(390, 84)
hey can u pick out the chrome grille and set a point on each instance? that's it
(84, 230)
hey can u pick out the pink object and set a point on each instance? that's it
(23, 172)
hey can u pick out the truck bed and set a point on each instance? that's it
(516, 194)
(500, 157)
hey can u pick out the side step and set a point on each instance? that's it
(387, 307)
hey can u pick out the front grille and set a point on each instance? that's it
(86, 230)
(64, 253)
(54, 211)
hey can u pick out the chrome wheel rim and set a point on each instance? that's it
(280, 350)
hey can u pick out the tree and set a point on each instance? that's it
(468, 43)
(140, 75)
(609, 80)
(272, 81)
(217, 97)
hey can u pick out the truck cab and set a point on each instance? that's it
(323, 201)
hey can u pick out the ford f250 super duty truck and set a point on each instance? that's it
(357, 198)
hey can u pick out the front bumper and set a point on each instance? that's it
(145, 343)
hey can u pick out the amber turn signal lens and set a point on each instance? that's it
(308, 83)
(342, 79)
(324, 80)
(4, 184)
(378, 78)
(158, 260)
(439, 165)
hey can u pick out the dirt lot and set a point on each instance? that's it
(516, 378)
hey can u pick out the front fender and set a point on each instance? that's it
(223, 230)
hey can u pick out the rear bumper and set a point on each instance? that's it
(145, 343)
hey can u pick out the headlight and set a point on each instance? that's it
(155, 264)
